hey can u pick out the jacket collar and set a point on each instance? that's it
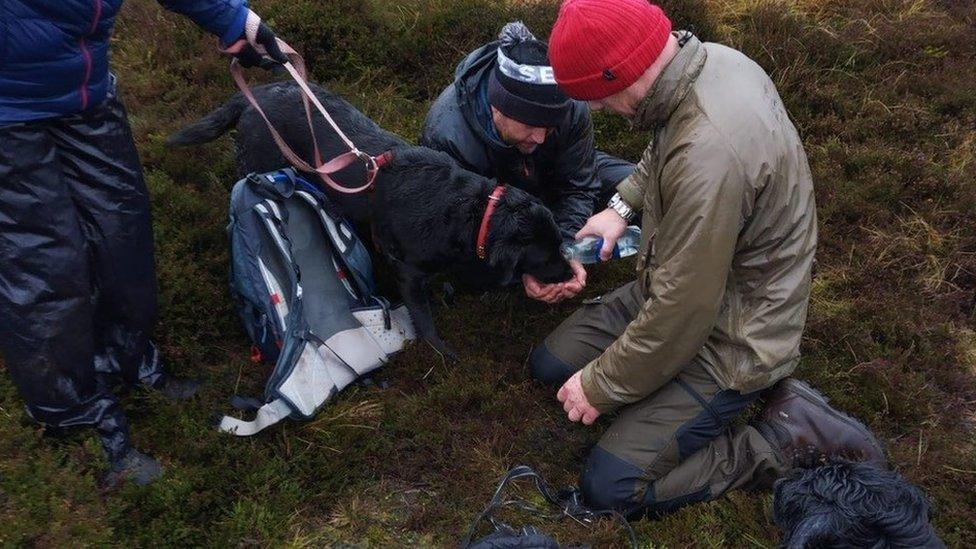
(673, 84)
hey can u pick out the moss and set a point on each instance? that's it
(881, 93)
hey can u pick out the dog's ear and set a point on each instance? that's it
(532, 223)
(509, 241)
(504, 254)
(543, 225)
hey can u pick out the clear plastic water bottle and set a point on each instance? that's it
(587, 249)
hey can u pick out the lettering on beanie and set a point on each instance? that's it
(530, 74)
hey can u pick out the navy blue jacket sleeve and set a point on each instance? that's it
(223, 18)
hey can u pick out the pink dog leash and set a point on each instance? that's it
(296, 68)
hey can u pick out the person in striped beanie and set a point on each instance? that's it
(504, 117)
(714, 320)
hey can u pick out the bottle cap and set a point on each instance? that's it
(566, 248)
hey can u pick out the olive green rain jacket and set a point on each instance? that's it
(729, 232)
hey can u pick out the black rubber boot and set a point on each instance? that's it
(134, 466)
(177, 388)
(125, 462)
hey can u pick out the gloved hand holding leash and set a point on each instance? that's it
(261, 48)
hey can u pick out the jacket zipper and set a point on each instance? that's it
(83, 44)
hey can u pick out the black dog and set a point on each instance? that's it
(851, 505)
(425, 212)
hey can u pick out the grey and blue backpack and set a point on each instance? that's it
(303, 286)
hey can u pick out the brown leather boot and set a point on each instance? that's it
(800, 424)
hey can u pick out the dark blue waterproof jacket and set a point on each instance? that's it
(54, 53)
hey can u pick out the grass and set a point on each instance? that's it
(882, 93)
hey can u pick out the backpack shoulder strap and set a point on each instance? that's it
(267, 415)
(348, 250)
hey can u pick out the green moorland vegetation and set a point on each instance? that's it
(883, 93)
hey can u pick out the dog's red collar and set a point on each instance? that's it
(383, 159)
(496, 195)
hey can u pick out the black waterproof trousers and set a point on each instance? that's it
(77, 276)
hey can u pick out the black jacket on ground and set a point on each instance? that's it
(561, 171)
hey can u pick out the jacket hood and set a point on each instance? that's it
(470, 75)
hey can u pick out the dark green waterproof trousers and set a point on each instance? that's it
(678, 445)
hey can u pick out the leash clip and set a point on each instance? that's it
(368, 159)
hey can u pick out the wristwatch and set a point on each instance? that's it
(618, 205)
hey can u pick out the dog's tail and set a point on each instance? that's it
(210, 127)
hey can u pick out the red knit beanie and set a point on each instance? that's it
(600, 47)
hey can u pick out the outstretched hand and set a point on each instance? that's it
(607, 225)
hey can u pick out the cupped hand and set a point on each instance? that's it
(559, 291)
(547, 293)
(573, 287)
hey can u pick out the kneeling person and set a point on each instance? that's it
(504, 117)
(720, 301)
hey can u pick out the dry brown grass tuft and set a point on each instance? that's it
(934, 256)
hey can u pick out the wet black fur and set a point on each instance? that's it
(425, 212)
(851, 505)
